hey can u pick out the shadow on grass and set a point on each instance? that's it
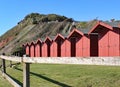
(17, 81)
(48, 79)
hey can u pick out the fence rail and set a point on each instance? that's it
(66, 60)
(11, 80)
(54, 60)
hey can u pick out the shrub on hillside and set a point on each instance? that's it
(35, 18)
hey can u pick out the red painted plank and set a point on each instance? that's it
(79, 46)
(37, 50)
(67, 48)
(86, 46)
(103, 43)
(63, 51)
(114, 42)
(27, 50)
(53, 49)
(32, 51)
(44, 50)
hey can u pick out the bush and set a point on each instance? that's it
(35, 18)
(19, 50)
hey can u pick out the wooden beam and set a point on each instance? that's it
(11, 80)
(26, 75)
(3, 66)
(11, 58)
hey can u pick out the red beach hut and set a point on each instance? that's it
(79, 44)
(106, 41)
(46, 47)
(32, 49)
(27, 49)
(38, 48)
(58, 41)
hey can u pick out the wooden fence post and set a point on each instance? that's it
(3, 66)
(10, 64)
(26, 75)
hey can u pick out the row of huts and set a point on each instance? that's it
(102, 40)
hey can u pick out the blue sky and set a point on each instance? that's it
(12, 11)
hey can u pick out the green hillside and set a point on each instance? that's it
(32, 27)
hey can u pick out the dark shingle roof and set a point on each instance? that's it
(113, 24)
(88, 27)
(85, 27)
(85, 30)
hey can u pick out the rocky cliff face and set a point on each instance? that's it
(32, 27)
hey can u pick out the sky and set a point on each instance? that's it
(13, 11)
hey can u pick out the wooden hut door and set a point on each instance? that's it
(48, 49)
(73, 47)
(59, 48)
(40, 50)
(94, 45)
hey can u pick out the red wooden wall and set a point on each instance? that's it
(27, 49)
(44, 49)
(65, 48)
(114, 42)
(103, 43)
(63, 52)
(109, 43)
(47, 47)
(86, 46)
(83, 46)
(108, 40)
(32, 50)
(79, 47)
(101, 40)
(59, 39)
(38, 49)
(79, 44)
(53, 49)
(74, 37)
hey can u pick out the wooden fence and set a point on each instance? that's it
(54, 60)
(26, 70)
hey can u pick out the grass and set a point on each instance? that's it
(4, 82)
(55, 75)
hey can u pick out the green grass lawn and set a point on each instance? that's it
(4, 82)
(55, 75)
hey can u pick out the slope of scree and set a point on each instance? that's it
(32, 27)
